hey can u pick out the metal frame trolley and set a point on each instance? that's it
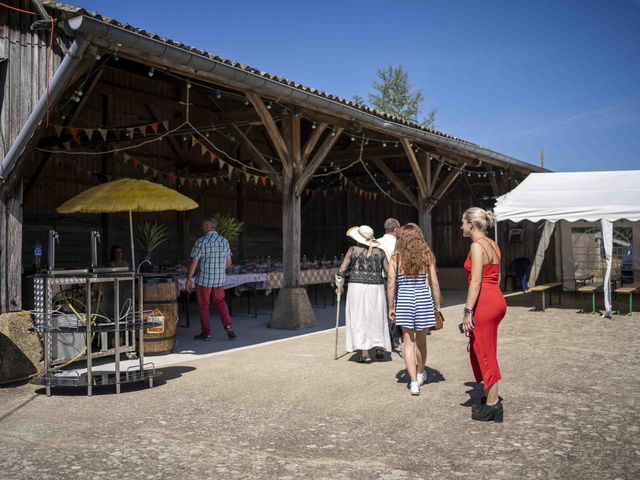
(131, 323)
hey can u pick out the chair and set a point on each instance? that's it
(517, 271)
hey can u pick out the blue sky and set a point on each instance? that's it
(514, 76)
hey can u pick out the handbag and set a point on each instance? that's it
(439, 320)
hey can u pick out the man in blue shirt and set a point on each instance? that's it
(211, 255)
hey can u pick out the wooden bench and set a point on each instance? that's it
(547, 287)
(588, 289)
(630, 290)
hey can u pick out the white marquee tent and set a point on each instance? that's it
(572, 196)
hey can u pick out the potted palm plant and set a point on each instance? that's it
(149, 237)
(228, 227)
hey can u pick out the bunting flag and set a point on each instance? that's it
(73, 131)
(143, 130)
(136, 163)
(194, 141)
(103, 133)
(247, 176)
(89, 132)
(264, 181)
(58, 129)
(199, 182)
(165, 124)
(190, 182)
(145, 167)
(221, 163)
(206, 181)
(255, 179)
(203, 150)
(126, 157)
(154, 128)
(214, 180)
(212, 157)
(182, 179)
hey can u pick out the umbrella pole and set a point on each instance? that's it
(133, 254)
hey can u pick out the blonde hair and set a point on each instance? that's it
(415, 255)
(479, 218)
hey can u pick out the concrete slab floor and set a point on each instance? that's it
(287, 410)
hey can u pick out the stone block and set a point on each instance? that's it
(21, 352)
(292, 310)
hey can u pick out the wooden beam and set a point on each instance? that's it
(444, 186)
(317, 159)
(270, 126)
(312, 142)
(435, 176)
(413, 162)
(259, 158)
(386, 171)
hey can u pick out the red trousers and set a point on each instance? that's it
(204, 295)
(483, 339)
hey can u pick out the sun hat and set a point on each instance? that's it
(364, 235)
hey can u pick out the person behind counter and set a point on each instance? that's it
(117, 257)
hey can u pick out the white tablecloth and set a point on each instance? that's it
(233, 280)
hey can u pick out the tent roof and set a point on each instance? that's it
(573, 196)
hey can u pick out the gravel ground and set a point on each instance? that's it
(288, 410)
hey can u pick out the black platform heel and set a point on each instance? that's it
(489, 413)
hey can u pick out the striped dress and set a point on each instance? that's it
(414, 303)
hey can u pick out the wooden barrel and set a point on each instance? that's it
(161, 294)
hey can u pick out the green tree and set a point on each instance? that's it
(393, 94)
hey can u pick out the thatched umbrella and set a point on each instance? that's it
(128, 195)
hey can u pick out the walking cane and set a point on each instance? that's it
(339, 284)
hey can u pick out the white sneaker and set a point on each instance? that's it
(421, 378)
(415, 388)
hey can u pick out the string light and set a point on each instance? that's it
(218, 94)
(269, 103)
(151, 71)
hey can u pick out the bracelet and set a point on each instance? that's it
(468, 310)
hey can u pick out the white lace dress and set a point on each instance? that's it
(366, 308)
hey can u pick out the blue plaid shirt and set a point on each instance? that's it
(212, 251)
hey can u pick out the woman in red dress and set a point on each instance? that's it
(483, 311)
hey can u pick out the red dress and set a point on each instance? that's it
(488, 311)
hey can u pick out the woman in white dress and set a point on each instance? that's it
(366, 308)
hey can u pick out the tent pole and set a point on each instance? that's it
(133, 254)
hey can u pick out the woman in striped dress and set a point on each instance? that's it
(413, 295)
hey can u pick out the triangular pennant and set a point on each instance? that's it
(165, 124)
(131, 132)
(203, 150)
(324, 193)
(271, 182)
(155, 173)
(58, 129)
(182, 180)
(264, 181)
(247, 176)
(214, 180)
(199, 182)
(143, 130)
(206, 181)
(136, 163)
(77, 140)
(73, 131)
(89, 132)
(190, 182)
(154, 127)
(212, 157)
(125, 157)
(255, 179)
(145, 167)
(221, 163)
(194, 141)
(103, 133)
(173, 179)
(67, 146)
(230, 167)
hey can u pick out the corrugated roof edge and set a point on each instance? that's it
(73, 10)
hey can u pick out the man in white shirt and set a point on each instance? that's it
(388, 241)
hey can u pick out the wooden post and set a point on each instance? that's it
(11, 250)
